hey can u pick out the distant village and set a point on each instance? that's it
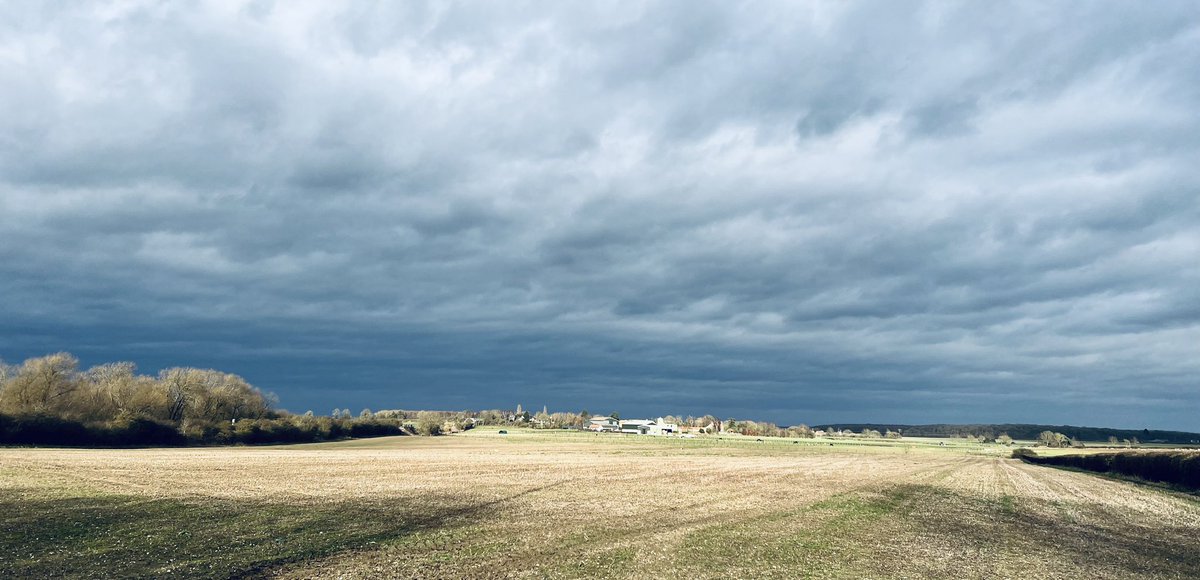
(664, 426)
(435, 422)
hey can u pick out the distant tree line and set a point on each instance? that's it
(429, 422)
(545, 419)
(1026, 432)
(764, 429)
(865, 433)
(50, 401)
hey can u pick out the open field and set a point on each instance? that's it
(556, 504)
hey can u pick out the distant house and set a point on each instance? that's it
(661, 427)
(636, 426)
(602, 424)
(633, 426)
(648, 427)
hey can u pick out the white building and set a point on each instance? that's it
(636, 426)
(661, 427)
(648, 427)
(601, 424)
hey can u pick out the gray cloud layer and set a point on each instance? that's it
(802, 212)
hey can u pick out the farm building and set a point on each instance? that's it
(648, 427)
(636, 426)
(633, 426)
(601, 424)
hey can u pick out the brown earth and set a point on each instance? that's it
(534, 505)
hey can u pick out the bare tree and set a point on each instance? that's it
(207, 396)
(43, 385)
(114, 387)
(1052, 439)
(429, 423)
(175, 383)
(6, 373)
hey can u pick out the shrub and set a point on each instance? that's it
(140, 431)
(43, 429)
(429, 423)
(377, 428)
(134, 431)
(1023, 453)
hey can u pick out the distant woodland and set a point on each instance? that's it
(1028, 432)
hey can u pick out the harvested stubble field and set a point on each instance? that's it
(537, 505)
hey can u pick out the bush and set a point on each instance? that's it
(125, 431)
(1052, 439)
(50, 430)
(42, 429)
(429, 423)
(139, 431)
(376, 428)
(1023, 453)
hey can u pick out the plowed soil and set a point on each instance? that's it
(568, 505)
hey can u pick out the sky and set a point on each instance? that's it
(810, 212)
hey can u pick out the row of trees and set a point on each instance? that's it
(544, 419)
(865, 433)
(764, 429)
(1028, 432)
(428, 422)
(1055, 439)
(50, 400)
(55, 385)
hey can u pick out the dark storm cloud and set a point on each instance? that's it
(799, 212)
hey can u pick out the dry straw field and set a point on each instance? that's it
(565, 505)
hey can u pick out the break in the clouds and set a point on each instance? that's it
(887, 211)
